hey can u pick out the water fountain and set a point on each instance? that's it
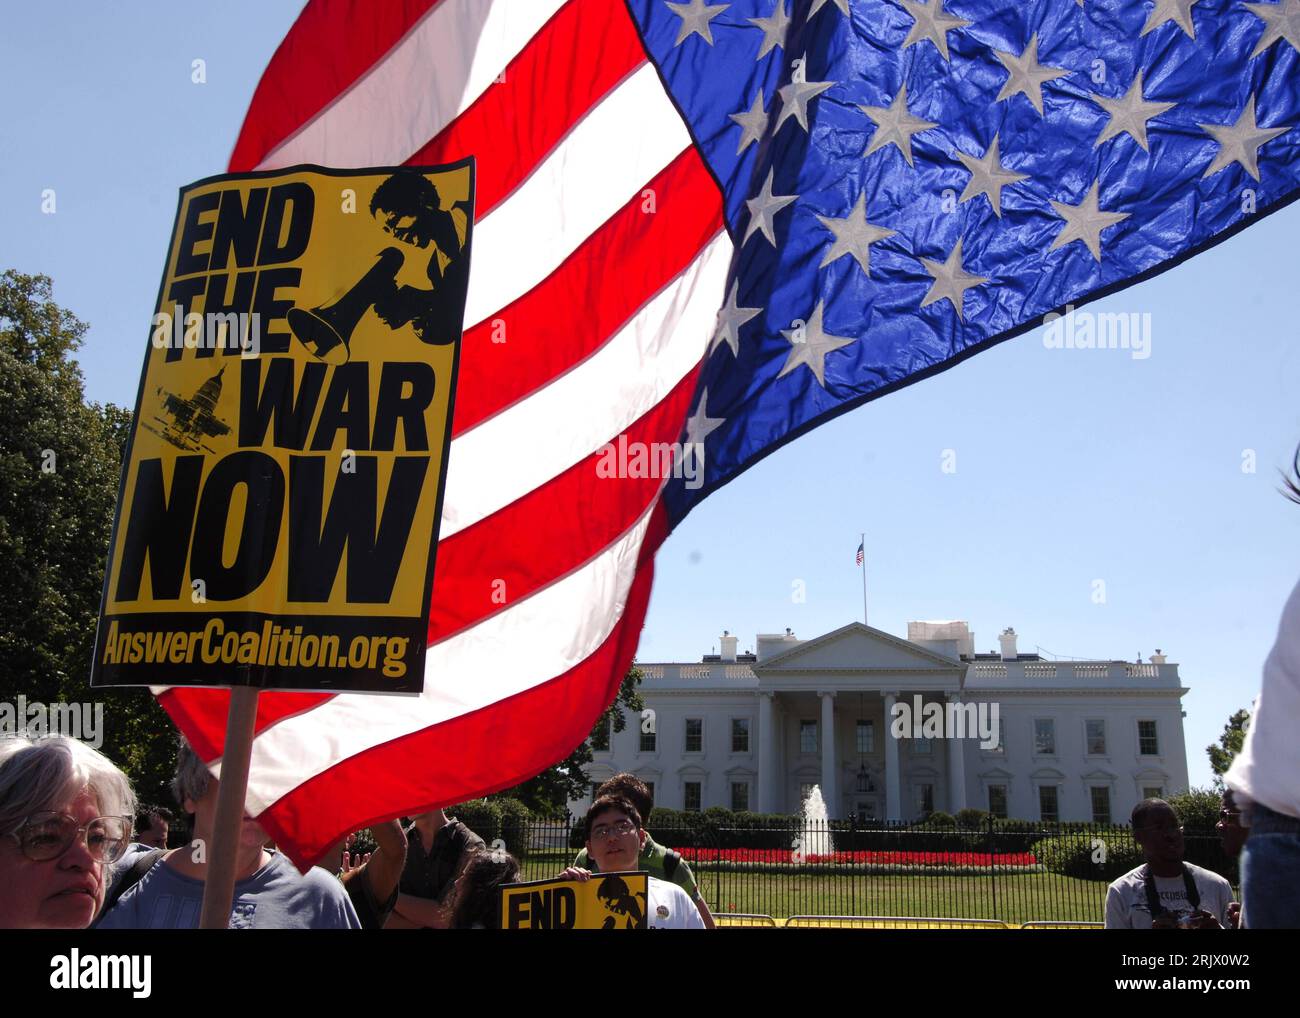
(815, 836)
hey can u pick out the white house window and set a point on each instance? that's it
(740, 795)
(694, 736)
(600, 735)
(1100, 804)
(1001, 747)
(998, 801)
(1095, 736)
(649, 742)
(921, 746)
(1153, 792)
(740, 735)
(692, 796)
(925, 799)
(1045, 736)
(807, 736)
(1147, 744)
(1048, 807)
(866, 737)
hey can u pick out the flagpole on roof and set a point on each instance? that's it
(864, 579)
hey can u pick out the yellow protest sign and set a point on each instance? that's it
(608, 901)
(278, 513)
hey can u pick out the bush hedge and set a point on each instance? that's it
(515, 820)
(1197, 809)
(482, 816)
(1095, 858)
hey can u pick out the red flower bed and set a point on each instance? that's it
(778, 855)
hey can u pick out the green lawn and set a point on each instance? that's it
(1015, 898)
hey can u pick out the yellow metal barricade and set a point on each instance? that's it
(739, 919)
(1060, 924)
(891, 923)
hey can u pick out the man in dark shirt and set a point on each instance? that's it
(438, 850)
(371, 879)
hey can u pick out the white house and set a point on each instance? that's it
(1079, 740)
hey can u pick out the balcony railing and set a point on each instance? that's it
(1065, 671)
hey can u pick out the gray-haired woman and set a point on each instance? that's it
(65, 818)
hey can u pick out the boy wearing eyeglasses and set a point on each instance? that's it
(614, 840)
(657, 860)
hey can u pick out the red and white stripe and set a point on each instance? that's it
(607, 310)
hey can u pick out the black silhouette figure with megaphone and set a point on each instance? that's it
(409, 209)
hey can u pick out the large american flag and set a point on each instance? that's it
(870, 189)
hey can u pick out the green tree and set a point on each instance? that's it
(1221, 755)
(549, 792)
(60, 464)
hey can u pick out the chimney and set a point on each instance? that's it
(1157, 658)
(728, 646)
(1008, 641)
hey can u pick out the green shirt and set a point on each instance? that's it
(659, 862)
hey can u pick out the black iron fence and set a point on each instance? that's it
(1013, 871)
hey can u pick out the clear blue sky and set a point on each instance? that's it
(1071, 465)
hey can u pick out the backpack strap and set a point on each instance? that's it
(143, 864)
(671, 861)
(1193, 894)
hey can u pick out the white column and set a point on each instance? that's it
(767, 772)
(830, 767)
(956, 766)
(893, 799)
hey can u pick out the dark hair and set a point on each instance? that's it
(145, 818)
(1292, 481)
(1145, 808)
(479, 903)
(631, 788)
(607, 802)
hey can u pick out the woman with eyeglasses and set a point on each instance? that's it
(65, 818)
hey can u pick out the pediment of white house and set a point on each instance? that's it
(857, 656)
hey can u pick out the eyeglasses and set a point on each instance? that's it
(606, 831)
(46, 836)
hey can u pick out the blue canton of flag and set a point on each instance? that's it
(907, 183)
